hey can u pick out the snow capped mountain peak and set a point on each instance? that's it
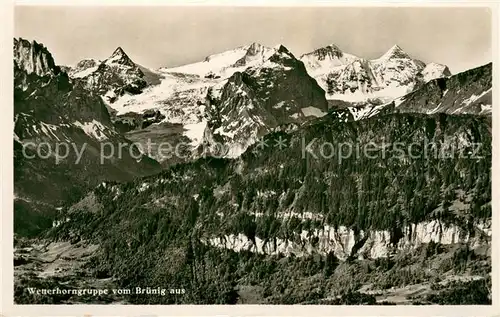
(281, 50)
(280, 56)
(256, 49)
(84, 68)
(227, 55)
(347, 77)
(394, 52)
(331, 52)
(87, 63)
(322, 60)
(333, 46)
(435, 70)
(120, 57)
(112, 77)
(34, 58)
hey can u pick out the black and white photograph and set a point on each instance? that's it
(232, 155)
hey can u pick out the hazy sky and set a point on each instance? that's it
(171, 36)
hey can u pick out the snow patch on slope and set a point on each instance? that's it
(94, 129)
(349, 78)
(486, 109)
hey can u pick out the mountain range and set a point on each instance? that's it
(184, 97)
(236, 210)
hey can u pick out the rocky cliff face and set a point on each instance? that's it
(347, 77)
(468, 92)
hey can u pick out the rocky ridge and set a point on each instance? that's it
(71, 123)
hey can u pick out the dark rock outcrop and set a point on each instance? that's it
(260, 99)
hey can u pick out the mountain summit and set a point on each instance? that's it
(112, 77)
(256, 48)
(395, 52)
(49, 108)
